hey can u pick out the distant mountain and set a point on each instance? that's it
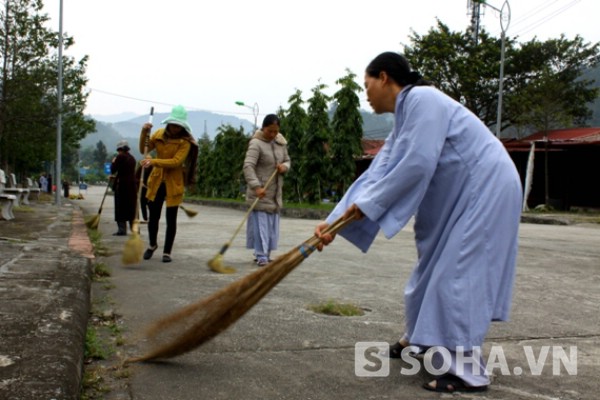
(595, 106)
(114, 117)
(200, 121)
(110, 133)
(377, 126)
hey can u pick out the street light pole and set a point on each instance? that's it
(254, 109)
(501, 83)
(504, 17)
(58, 173)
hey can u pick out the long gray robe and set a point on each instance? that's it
(442, 165)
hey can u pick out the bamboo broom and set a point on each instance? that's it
(188, 211)
(134, 247)
(94, 221)
(199, 322)
(216, 263)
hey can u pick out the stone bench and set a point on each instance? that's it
(33, 188)
(13, 188)
(7, 201)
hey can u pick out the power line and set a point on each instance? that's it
(154, 102)
(546, 18)
(533, 12)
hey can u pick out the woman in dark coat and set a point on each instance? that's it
(124, 187)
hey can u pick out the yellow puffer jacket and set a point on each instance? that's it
(168, 165)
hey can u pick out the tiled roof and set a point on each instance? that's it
(371, 146)
(574, 134)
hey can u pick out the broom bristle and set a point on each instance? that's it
(134, 247)
(199, 322)
(190, 213)
(92, 222)
(216, 264)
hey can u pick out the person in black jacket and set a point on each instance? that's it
(124, 187)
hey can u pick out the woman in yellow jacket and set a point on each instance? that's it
(173, 168)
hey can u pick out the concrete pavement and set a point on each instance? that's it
(281, 350)
(45, 260)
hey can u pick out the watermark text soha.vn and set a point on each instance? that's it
(371, 360)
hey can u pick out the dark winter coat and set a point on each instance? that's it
(125, 186)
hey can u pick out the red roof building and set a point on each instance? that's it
(573, 165)
(567, 135)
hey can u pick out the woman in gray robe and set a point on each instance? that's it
(443, 166)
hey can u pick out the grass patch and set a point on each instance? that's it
(322, 206)
(23, 209)
(101, 271)
(96, 239)
(575, 215)
(332, 307)
(93, 384)
(95, 348)
(103, 370)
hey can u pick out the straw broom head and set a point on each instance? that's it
(216, 263)
(189, 212)
(134, 247)
(93, 222)
(199, 322)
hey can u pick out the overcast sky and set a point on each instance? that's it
(207, 54)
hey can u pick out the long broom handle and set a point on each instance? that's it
(139, 196)
(105, 192)
(254, 203)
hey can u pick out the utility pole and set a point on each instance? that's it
(475, 11)
(504, 12)
(58, 173)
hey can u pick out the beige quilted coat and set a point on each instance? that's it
(261, 160)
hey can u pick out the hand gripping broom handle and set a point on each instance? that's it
(308, 247)
(254, 203)
(139, 197)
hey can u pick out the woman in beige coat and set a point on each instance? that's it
(266, 152)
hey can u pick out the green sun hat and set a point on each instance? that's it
(178, 117)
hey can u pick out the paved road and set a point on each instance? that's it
(281, 350)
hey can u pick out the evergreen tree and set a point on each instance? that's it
(552, 72)
(294, 123)
(347, 133)
(29, 84)
(100, 156)
(204, 165)
(466, 72)
(314, 169)
(469, 72)
(227, 161)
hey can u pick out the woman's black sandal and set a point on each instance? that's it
(449, 383)
(149, 251)
(396, 350)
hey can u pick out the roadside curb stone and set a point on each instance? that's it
(45, 279)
